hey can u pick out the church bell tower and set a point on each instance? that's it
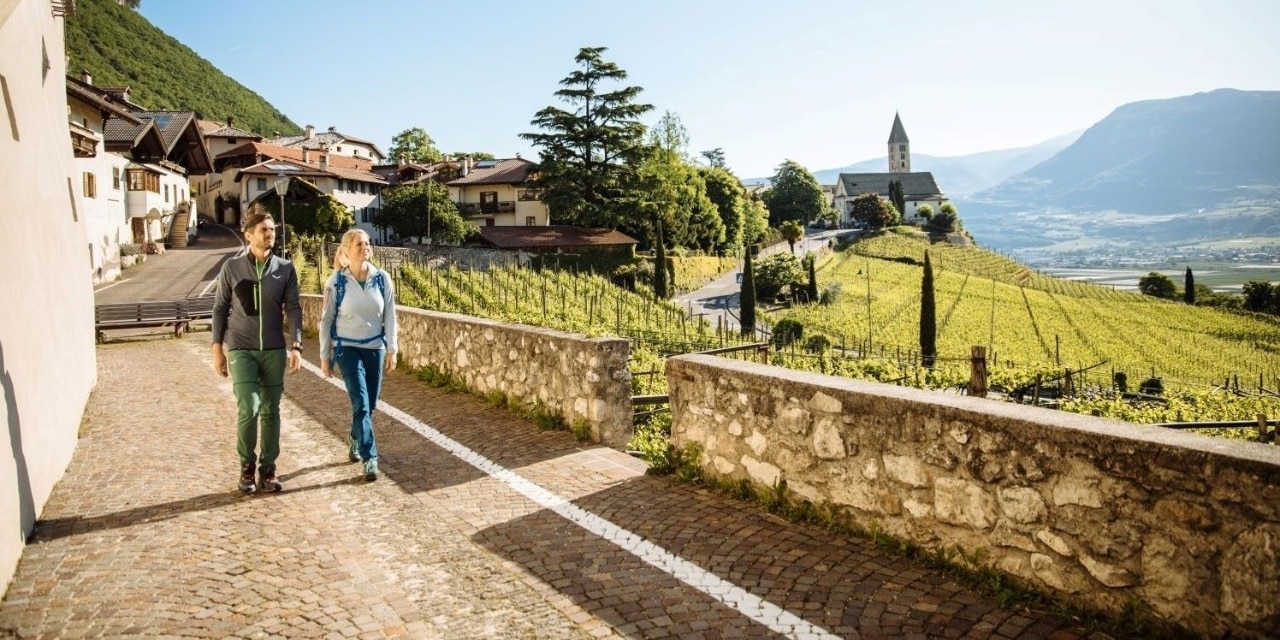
(899, 148)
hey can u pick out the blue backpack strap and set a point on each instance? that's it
(340, 289)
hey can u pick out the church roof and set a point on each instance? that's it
(914, 185)
(899, 133)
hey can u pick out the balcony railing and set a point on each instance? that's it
(476, 208)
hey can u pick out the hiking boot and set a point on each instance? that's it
(247, 478)
(353, 449)
(371, 469)
(269, 481)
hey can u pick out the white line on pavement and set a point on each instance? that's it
(748, 604)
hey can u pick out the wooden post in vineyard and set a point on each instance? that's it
(1068, 386)
(978, 372)
(1035, 393)
(1262, 428)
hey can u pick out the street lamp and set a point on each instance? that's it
(282, 187)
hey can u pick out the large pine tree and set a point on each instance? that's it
(928, 317)
(590, 153)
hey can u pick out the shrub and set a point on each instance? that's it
(130, 249)
(830, 294)
(786, 332)
(817, 343)
(1151, 386)
(776, 274)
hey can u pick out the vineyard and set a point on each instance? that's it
(1212, 365)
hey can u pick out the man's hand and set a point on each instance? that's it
(295, 361)
(219, 360)
(390, 363)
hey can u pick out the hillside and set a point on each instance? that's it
(1205, 166)
(120, 47)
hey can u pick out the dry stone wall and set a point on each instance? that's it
(1100, 511)
(577, 377)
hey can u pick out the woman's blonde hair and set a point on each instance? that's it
(340, 258)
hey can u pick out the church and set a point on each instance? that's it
(919, 188)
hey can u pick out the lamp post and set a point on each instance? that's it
(282, 187)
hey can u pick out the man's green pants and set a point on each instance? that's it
(257, 378)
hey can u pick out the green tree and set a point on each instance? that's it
(414, 145)
(872, 211)
(786, 333)
(660, 265)
(726, 193)
(715, 157)
(474, 155)
(670, 135)
(423, 210)
(1158, 285)
(792, 232)
(795, 195)
(590, 154)
(332, 217)
(928, 317)
(924, 211)
(747, 296)
(812, 289)
(672, 190)
(1257, 296)
(777, 275)
(945, 219)
(1189, 288)
(896, 196)
(755, 219)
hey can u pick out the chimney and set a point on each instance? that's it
(306, 155)
(275, 134)
(311, 132)
(401, 161)
(86, 77)
(466, 166)
(324, 162)
(332, 129)
(230, 120)
(517, 155)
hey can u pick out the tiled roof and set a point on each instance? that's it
(507, 171)
(170, 123)
(276, 151)
(101, 99)
(552, 236)
(232, 132)
(917, 184)
(118, 130)
(310, 169)
(319, 139)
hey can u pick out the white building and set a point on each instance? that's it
(918, 188)
(332, 142)
(47, 361)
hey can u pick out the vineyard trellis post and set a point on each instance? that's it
(978, 372)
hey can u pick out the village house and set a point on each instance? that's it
(919, 188)
(332, 142)
(101, 174)
(498, 193)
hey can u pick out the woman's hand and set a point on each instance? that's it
(390, 363)
(324, 368)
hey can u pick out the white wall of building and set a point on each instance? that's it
(47, 360)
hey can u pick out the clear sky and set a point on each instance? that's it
(814, 81)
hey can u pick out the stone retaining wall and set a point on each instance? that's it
(580, 378)
(1097, 510)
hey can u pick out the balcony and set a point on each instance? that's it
(477, 208)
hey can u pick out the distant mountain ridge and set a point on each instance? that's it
(1173, 171)
(1160, 156)
(120, 47)
(959, 175)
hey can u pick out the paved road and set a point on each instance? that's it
(718, 299)
(179, 273)
(483, 526)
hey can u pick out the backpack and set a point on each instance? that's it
(340, 288)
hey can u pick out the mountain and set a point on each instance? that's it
(1192, 168)
(120, 47)
(959, 175)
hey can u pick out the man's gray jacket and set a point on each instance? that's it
(251, 302)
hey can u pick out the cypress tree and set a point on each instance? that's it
(660, 267)
(897, 196)
(1189, 288)
(928, 317)
(813, 280)
(747, 314)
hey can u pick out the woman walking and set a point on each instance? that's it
(358, 336)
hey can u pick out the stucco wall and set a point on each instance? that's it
(580, 378)
(1104, 511)
(47, 365)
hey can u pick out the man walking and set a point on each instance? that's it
(255, 291)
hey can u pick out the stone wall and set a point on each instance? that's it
(1100, 511)
(580, 378)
